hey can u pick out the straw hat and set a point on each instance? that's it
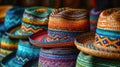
(106, 41)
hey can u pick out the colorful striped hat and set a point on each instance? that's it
(57, 57)
(25, 53)
(85, 60)
(7, 46)
(34, 19)
(3, 10)
(106, 41)
(64, 25)
(13, 17)
(94, 15)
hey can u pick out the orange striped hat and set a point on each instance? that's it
(64, 25)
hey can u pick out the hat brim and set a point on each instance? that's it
(40, 39)
(12, 33)
(85, 43)
(11, 58)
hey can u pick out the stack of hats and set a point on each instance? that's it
(13, 17)
(34, 19)
(58, 42)
(105, 43)
(94, 15)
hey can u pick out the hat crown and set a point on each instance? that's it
(109, 19)
(108, 30)
(35, 19)
(67, 22)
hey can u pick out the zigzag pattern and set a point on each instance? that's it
(13, 20)
(28, 29)
(31, 25)
(21, 59)
(108, 42)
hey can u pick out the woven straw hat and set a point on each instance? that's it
(106, 41)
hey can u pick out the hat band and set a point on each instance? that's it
(108, 33)
(54, 34)
(107, 42)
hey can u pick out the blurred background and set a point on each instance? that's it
(102, 4)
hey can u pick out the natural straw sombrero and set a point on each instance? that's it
(106, 42)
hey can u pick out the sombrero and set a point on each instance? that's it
(64, 25)
(25, 53)
(94, 15)
(85, 60)
(34, 19)
(12, 18)
(7, 46)
(3, 10)
(57, 57)
(105, 42)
